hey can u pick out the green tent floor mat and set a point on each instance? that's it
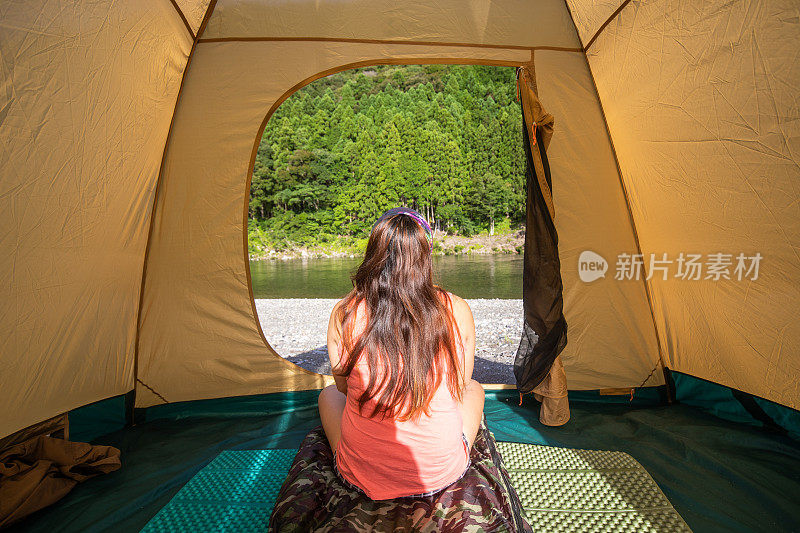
(235, 492)
(561, 489)
(719, 475)
(564, 489)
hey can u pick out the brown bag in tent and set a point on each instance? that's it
(41, 470)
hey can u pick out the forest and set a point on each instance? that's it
(443, 139)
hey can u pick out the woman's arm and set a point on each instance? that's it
(334, 338)
(466, 327)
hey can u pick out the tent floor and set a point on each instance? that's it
(719, 475)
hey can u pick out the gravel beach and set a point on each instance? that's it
(296, 328)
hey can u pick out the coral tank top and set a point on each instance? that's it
(388, 458)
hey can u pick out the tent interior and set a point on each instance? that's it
(128, 307)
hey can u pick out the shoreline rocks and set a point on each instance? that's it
(296, 328)
(503, 243)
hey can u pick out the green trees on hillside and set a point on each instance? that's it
(445, 140)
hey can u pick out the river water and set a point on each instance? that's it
(468, 276)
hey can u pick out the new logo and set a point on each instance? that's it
(591, 266)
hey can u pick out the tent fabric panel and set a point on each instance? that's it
(198, 334)
(590, 15)
(193, 11)
(611, 340)
(86, 97)
(505, 22)
(100, 418)
(729, 404)
(706, 123)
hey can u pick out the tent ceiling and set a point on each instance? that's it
(701, 101)
(510, 22)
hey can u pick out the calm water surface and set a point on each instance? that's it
(469, 276)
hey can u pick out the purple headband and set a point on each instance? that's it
(413, 214)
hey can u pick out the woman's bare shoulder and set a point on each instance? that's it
(339, 307)
(337, 314)
(461, 309)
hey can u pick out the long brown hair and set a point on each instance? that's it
(407, 319)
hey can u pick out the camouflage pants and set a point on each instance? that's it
(313, 497)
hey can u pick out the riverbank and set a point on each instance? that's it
(509, 241)
(296, 328)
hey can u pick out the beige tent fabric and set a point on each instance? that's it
(193, 11)
(505, 22)
(199, 335)
(611, 340)
(86, 97)
(693, 102)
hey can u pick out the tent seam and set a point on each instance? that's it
(630, 213)
(183, 18)
(209, 10)
(386, 41)
(650, 374)
(151, 389)
(602, 26)
(211, 5)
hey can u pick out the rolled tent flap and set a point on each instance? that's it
(544, 333)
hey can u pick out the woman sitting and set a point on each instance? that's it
(404, 411)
